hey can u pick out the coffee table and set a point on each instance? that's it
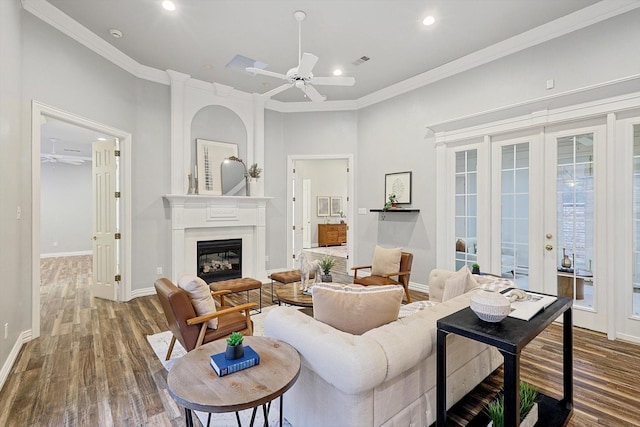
(291, 294)
(193, 383)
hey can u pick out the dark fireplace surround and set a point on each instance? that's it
(219, 260)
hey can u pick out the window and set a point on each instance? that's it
(466, 195)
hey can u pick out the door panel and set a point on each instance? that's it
(105, 226)
(575, 181)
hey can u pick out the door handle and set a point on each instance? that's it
(94, 238)
(548, 247)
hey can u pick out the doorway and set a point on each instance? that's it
(40, 113)
(313, 184)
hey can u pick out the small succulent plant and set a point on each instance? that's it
(234, 339)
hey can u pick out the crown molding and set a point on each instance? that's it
(583, 18)
(593, 14)
(305, 107)
(65, 24)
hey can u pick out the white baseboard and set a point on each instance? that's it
(23, 338)
(143, 292)
(419, 287)
(62, 254)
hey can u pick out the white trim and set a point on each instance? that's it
(588, 16)
(144, 292)
(37, 109)
(72, 28)
(64, 254)
(23, 338)
(539, 119)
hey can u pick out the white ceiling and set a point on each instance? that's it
(202, 36)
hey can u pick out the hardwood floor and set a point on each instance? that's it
(92, 366)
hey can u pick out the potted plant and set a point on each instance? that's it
(326, 263)
(528, 407)
(392, 201)
(235, 350)
(254, 187)
(475, 268)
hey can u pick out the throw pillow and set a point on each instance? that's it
(356, 309)
(200, 296)
(386, 261)
(459, 283)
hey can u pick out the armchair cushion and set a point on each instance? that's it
(356, 309)
(200, 296)
(386, 261)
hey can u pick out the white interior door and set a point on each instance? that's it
(575, 221)
(105, 220)
(306, 213)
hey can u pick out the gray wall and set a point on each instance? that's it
(62, 73)
(15, 250)
(328, 178)
(298, 134)
(66, 208)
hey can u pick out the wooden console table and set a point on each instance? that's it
(510, 336)
(332, 234)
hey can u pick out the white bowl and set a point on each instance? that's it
(490, 306)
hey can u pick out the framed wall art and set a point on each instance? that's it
(210, 155)
(336, 205)
(398, 183)
(323, 205)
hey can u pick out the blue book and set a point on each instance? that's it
(223, 366)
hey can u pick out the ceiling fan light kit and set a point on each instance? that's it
(301, 76)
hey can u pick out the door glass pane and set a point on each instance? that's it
(466, 209)
(636, 220)
(514, 261)
(575, 204)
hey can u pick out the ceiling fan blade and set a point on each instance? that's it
(71, 162)
(333, 81)
(277, 90)
(265, 73)
(313, 94)
(307, 62)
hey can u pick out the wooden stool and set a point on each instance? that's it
(286, 277)
(245, 284)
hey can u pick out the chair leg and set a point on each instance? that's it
(173, 341)
(406, 291)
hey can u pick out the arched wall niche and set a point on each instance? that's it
(219, 123)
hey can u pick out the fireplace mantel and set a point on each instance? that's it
(196, 217)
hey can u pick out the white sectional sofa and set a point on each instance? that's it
(384, 377)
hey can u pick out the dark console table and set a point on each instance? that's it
(510, 336)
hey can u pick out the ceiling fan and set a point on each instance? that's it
(59, 158)
(301, 76)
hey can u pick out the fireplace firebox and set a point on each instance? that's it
(219, 260)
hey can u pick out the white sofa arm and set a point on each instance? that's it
(351, 363)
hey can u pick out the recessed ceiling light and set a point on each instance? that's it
(429, 20)
(169, 5)
(115, 33)
(208, 67)
(337, 72)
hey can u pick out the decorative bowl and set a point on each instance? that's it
(490, 306)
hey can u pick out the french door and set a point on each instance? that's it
(545, 225)
(575, 225)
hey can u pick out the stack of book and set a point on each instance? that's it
(224, 366)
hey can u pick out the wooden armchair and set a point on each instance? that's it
(189, 328)
(406, 259)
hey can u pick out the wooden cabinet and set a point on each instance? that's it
(332, 234)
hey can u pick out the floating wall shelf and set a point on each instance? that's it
(394, 210)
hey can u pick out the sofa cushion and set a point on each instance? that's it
(356, 309)
(200, 296)
(386, 261)
(458, 283)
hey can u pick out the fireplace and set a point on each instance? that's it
(219, 260)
